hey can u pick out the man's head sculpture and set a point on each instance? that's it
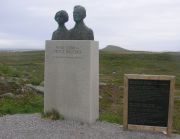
(61, 33)
(80, 30)
(79, 13)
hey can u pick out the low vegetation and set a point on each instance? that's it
(28, 68)
(26, 103)
(52, 115)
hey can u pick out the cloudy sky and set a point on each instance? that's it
(152, 25)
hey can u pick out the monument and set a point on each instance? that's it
(148, 102)
(72, 74)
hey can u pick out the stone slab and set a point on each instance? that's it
(72, 79)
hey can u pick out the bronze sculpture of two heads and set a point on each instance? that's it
(79, 32)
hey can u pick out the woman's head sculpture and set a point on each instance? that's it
(61, 33)
(61, 17)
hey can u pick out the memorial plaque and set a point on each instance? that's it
(148, 102)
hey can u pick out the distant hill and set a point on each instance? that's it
(116, 49)
(173, 53)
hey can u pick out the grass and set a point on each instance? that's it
(26, 65)
(111, 104)
(53, 115)
(154, 63)
(28, 103)
(176, 118)
(114, 66)
(108, 117)
(29, 66)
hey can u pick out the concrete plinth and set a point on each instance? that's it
(72, 79)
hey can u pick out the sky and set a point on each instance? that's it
(150, 25)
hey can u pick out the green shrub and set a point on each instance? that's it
(35, 81)
(53, 115)
(111, 118)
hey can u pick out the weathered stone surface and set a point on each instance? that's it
(72, 79)
(37, 89)
(10, 84)
(177, 97)
(102, 83)
(8, 95)
(42, 83)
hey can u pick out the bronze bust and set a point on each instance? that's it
(80, 30)
(61, 33)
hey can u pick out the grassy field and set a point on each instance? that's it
(28, 67)
(24, 65)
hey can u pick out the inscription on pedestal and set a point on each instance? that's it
(67, 52)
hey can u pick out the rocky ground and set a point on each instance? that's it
(32, 126)
(13, 87)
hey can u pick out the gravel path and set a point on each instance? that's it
(31, 126)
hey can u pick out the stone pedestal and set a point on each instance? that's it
(72, 79)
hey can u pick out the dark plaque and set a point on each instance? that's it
(148, 102)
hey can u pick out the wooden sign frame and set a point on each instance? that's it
(166, 130)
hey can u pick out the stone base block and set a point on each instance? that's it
(72, 79)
